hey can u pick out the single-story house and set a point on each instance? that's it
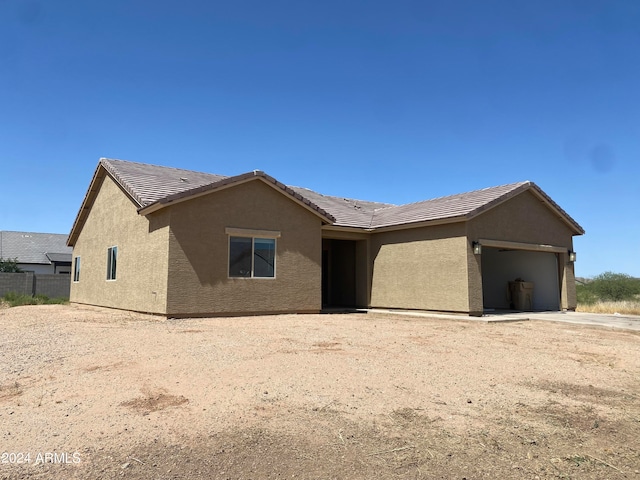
(182, 243)
(40, 253)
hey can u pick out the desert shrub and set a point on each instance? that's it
(585, 295)
(16, 300)
(610, 286)
(8, 265)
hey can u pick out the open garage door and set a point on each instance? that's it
(501, 266)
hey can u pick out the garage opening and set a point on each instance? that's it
(501, 266)
(343, 273)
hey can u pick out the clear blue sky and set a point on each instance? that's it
(395, 101)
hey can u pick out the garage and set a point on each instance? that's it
(501, 266)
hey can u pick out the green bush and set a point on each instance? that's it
(585, 295)
(610, 286)
(17, 300)
(7, 265)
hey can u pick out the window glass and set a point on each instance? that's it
(112, 256)
(264, 256)
(239, 257)
(76, 270)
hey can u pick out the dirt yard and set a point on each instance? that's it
(93, 393)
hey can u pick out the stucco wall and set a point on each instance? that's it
(524, 219)
(198, 260)
(422, 268)
(141, 277)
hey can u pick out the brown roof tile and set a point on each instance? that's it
(150, 183)
(449, 207)
(347, 211)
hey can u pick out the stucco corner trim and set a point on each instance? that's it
(247, 232)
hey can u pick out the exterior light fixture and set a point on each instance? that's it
(477, 248)
(572, 256)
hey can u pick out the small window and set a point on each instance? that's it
(252, 257)
(76, 269)
(112, 257)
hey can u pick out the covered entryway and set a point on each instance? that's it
(344, 273)
(503, 265)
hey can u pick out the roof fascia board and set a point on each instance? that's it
(345, 233)
(391, 228)
(534, 247)
(342, 228)
(96, 181)
(175, 199)
(424, 223)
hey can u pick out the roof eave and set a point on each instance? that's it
(417, 224)
(85, 206)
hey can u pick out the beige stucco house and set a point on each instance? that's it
(182, 243)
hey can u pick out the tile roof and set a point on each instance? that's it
(149, 183)
(347, 211)
(30, 247)
(152, 187)
(452, 206)
(59, 257)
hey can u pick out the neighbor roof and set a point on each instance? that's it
(153, 187)
(30, 247)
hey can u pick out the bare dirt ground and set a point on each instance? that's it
(92, 393)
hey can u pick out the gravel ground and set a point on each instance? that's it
(87, 392)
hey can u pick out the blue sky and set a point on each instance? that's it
(395, 101)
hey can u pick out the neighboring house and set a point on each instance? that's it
(182, 243)
(37, 252)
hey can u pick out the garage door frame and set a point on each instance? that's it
(532, 247)
(558, 251)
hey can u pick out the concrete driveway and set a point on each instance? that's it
(627, 322)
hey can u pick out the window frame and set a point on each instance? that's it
(252, 235)
(77, 264)
(112, 268)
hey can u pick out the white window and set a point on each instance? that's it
(252, 253)
(112, 257)
(76, 269)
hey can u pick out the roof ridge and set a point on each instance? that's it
(344, 198)
(514, 185)
(31, 233)
(158, 166)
